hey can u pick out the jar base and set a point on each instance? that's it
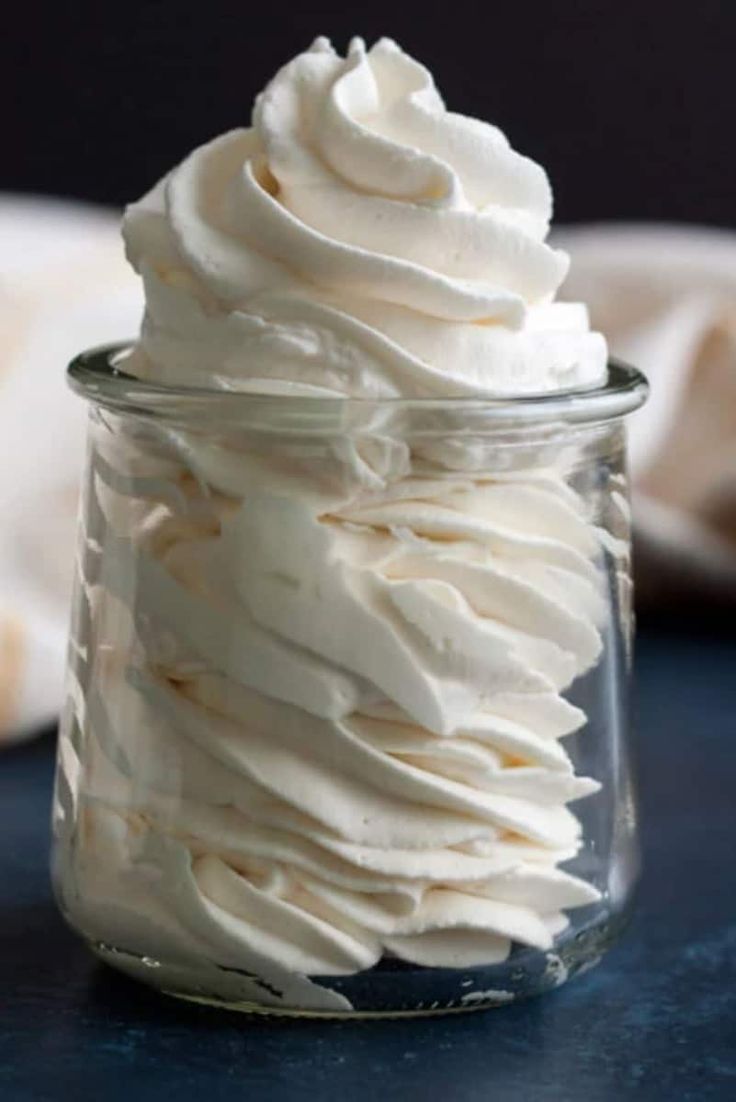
(391, 990)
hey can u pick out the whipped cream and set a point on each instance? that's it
(320, 682)
(359, 239)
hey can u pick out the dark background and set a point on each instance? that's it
(629, 104)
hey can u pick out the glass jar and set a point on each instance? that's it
(337, 669)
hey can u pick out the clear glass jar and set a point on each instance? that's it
(336, 670)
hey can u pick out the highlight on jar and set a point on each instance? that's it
(347, 724)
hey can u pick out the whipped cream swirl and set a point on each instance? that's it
(319, 681)
(359, 239)
(336, 715)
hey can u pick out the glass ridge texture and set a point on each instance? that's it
(346, 729)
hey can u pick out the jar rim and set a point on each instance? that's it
(95, 375)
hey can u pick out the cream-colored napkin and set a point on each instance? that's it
(64, 286)
(665, 296)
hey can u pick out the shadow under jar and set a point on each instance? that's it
(347, 719)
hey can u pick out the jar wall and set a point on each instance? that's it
(346, 728)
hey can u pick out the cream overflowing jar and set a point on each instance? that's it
(347, 720)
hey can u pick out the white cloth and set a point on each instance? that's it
(64, 286)
(664, 296)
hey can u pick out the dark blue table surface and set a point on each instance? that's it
(656, 1020)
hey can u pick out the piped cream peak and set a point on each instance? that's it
(359, 239)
